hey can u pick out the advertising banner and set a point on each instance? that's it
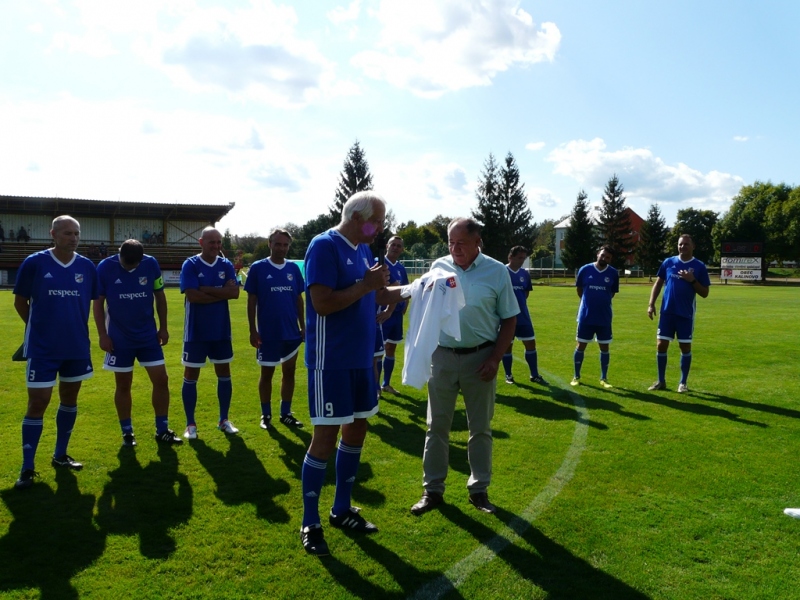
(740, 262)
(742, 274)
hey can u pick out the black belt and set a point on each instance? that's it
(468, 350)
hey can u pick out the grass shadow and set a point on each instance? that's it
(758, 406)
(241, 478)
(51, 539)
(144, 501)
(293, 453)
(547, 410)
(663, 399)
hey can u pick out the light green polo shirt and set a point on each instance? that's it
(489, 298)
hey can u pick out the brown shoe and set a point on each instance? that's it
(429, 501)
(481, 502)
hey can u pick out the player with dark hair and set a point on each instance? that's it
(596, 284)
(52, 295)
(683, 278)
(275, 313)
(129, 284)
(208, 281)
(521, 281)
(392, 327)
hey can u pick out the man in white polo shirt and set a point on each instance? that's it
(488, 321)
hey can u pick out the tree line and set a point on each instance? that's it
(762, 212)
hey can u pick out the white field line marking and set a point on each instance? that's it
(510, 534)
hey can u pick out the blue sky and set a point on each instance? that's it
(257, 102)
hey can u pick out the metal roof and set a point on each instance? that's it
(113, 208)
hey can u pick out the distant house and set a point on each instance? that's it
(561, 232)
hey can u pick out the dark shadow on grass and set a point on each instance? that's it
(143, 501)
(547, 410)
(51, 539)
(405, 575)
(294, 451)
(666, 398)
(594, 403)
(551, 567)
(241, 478)
(759, 406)
(417, 410)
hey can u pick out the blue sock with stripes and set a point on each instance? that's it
(224, 394)
(347, 460)
(661, 359)
(162, 424)
(508, 360)
(189, 396)
(686, 364)
(578, 358)
(605, 358)
(126, 426)
(313, 476)
(388, 369)
(31, 432)
(65, 421)
(532, 358)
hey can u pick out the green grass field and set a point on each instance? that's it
(619, 493)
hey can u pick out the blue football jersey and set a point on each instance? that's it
(206, 322)
(521, 282)
(344, 339)
(60, 296)
(679, 295)
(599, 288)
(130, 313)
(277, 288)
(397, 272)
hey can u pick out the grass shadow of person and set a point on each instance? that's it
(545, 409)
(51, 539)
(241, 478)
(662, 399)
(144, 501)
(408, 577)
(293, 453)
(546, 564)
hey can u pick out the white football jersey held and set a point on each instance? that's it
(437, 297)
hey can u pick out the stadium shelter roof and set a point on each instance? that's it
(113, 208)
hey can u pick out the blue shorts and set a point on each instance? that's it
(273, 353)
(121, 360)
(379, 349)
(195, 353)
(392, 328)
(671, 326)
(338, 396)
(586, 333)
(524, 331)
(41, 372)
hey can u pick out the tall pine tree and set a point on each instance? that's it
(580, 240)
(503, 208)
(614, 222)
(355, 177)
(652, 248)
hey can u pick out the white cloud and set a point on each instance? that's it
(740, 138)
(644, 176)
(36, 28)
(431, 48)
(341, 14)
(251, 52)
(535, 146)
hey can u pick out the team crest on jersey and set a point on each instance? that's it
(142, 280)
(451, 282)
(221, 274)
(289, 277)
(607, 279)
(78, 277)
(521, 278)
